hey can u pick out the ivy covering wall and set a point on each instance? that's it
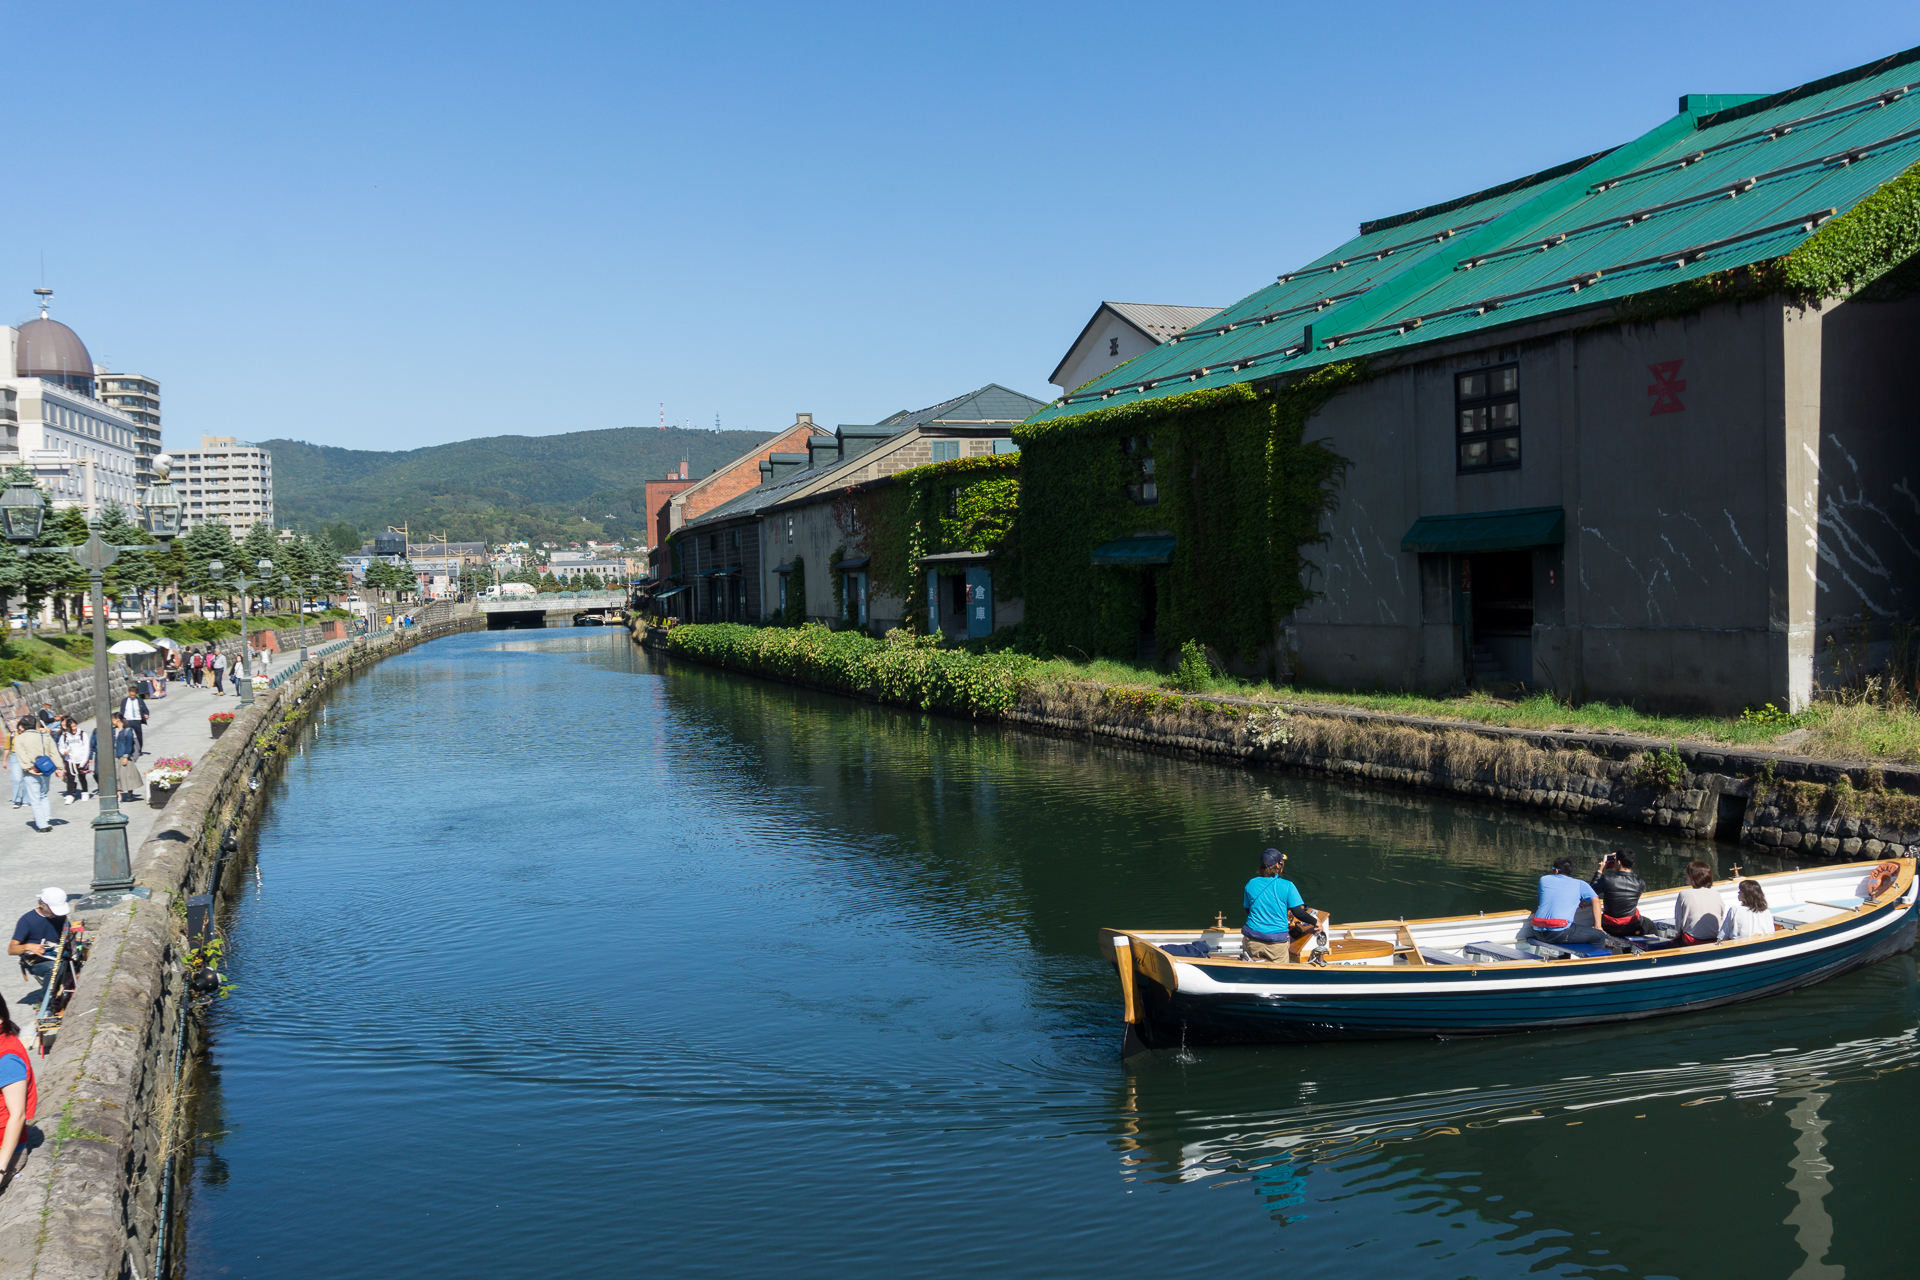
(967, 504)
(1240, 486)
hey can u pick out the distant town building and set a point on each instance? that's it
(82, 450)
(225, 480)
(1118, 332)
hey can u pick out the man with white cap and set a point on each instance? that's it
(38, 936)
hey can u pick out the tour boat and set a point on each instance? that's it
(1485, 974)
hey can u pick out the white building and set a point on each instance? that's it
(1118, 332)
(224, 480)
(84, 451)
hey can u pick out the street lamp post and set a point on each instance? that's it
(240, 581)
(22, 511)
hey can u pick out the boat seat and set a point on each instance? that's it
(1496, 951)
(1567, 950)
(1433, 955)
(1801, 913)
(1845, 904)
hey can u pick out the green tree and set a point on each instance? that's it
(60, 578)
(204, 544)
(550, 583)
(135, 573)
(342, 537)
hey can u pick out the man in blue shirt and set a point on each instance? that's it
(1268, 899)
(1555, 915)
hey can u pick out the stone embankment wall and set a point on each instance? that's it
(1792, 805)
(111, 1117)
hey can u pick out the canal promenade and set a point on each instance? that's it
(31, 860)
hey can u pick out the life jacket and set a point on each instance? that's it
(10, 1045)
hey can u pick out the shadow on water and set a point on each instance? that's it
(556, 956)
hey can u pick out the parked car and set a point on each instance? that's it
(18, 622)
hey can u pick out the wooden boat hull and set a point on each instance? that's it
(1231, 1001)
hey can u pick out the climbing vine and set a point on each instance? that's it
(965, 504)
(1240, 488)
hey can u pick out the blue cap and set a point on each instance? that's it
(1272, 858)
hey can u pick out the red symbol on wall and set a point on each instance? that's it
(1666, 387)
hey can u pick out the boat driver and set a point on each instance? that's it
(1562, 894)
(1268, 899)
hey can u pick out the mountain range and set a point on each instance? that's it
(578, 484)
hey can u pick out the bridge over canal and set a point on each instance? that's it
(554, 609)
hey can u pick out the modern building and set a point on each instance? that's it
(137, 396)
(225, 480)
(1637, 427)
(1117, 333)
(84, 451)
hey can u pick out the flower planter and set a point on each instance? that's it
(157, 797)
(218, 726)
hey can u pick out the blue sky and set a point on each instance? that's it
(386, 226)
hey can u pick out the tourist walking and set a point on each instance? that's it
(133, 710)
(40, 756)
(126, 755)
(217, 663)
(77, 747)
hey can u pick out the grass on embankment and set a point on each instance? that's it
(1867, 724)
(51, 651)
(1872, 722)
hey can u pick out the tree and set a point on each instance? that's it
(342, 538)
(204, 544)
(136, 572)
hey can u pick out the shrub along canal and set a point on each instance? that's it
(558, 958)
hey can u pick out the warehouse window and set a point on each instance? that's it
(946, 450)
(1487, 418)
(1143, 489)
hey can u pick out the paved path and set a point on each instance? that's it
(31, 860)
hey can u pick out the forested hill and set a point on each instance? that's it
(497, 488)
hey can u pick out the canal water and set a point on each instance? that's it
(558, 959)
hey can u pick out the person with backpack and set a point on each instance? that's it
(77, 747)
(40, 757)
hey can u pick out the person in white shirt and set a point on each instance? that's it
(1748, 917)
(133, 709)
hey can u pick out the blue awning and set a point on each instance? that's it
(1488, 531)
(669, 593)
(1140, 549)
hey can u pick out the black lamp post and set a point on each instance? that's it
(22, 512)
(240, 581)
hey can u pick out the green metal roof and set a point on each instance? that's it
(1728, 181)
(1488, 531)
(1140, 549)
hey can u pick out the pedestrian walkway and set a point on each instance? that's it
(31, 860)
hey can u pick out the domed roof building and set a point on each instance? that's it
(48, 349)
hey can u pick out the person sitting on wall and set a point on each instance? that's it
(1269, 899)
(1555, 914)
(36, 940)
(1619, 889)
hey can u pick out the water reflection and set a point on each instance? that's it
(757, 973)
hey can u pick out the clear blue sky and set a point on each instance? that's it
(391, 225)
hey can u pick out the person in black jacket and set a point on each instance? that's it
(1619, 889)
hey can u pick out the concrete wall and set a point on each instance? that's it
(1710, 550)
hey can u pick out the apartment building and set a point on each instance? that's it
(137, 396)
(225, 480)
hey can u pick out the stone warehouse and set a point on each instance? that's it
(1639, 428)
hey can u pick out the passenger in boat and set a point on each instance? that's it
(1561, 896)
(1697, 908)
(1619, 889)
(1748, 917)
(1269, 897)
